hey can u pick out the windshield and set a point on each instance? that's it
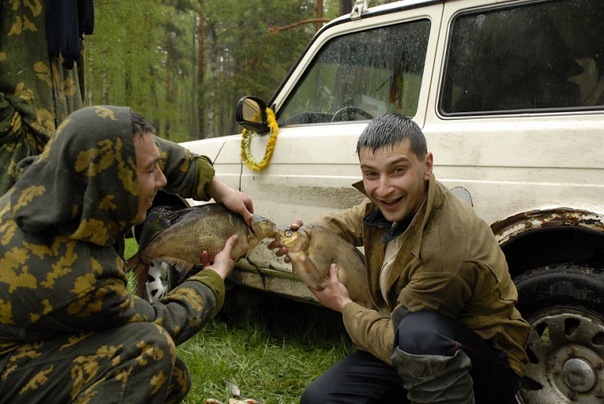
(362, 75)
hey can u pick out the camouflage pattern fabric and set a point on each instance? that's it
(36, 91)
(70, 330)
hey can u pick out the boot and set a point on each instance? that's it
(434, 379)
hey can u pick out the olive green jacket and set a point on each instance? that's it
(449, 262)
(61, 272)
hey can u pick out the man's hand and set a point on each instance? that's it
(282, 250)
(223, 263)
(335, 295)
(234, 200)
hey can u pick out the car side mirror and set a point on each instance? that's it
(251, 114)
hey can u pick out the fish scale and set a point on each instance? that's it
(203, 228)
(322, 247)
(179, 237)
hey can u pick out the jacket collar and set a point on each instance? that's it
(377, 219)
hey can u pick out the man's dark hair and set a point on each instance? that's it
(390, 129)
(140, 124)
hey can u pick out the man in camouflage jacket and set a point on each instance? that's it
(70, 330)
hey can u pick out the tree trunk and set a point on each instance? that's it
(201, 71)
(346, 6)
(319, 14)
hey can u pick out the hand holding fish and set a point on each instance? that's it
(313, 250)
(234, 200)
(223, 263)
(282, 249)
(334, 295)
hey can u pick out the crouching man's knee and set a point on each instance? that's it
(426, 358)
(423, 333)
(144, 367)
(170, 374)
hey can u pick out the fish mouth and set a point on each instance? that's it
(264, 226)
(282, 233)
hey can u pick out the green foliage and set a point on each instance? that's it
(131, 247)
(185, 63)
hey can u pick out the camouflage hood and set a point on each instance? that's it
(84, 184)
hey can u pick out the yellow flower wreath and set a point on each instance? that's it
(246, 138)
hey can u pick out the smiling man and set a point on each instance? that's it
(443, 326)
(70, 328)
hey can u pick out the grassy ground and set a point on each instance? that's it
(270, 351)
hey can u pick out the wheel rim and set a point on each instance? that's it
(566, 350)
(158, 280)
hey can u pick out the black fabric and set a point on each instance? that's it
(377, 219)
(66, 22)
(431, 333)
(361, 378)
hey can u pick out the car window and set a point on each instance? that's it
(361, 75)
(536, 57)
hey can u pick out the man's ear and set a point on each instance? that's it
(429, 161)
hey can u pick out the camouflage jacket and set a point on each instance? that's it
(60, 271)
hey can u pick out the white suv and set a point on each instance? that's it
(510, 96)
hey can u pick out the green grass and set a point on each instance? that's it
(131, 247)
(271, 351)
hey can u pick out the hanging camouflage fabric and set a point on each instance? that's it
(41, 74)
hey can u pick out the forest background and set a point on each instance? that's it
(185, 63)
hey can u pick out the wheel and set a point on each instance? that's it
(563, 304)
(349, 114)
(160, 280)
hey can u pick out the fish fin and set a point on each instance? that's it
(175, 216)
(132, 263)
(181, 266)
(307, 270)
(141, 270)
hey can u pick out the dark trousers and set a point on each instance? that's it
(362, 378)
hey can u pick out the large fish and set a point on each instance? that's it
(322, 247)
(179, 236)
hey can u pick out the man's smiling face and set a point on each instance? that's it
(395, 179)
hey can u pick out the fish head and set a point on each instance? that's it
(262, 227)
(294, 240)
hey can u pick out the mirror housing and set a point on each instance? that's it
(251, 114)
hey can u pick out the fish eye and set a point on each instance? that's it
(288, 233)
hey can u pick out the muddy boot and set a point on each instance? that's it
(434, 378)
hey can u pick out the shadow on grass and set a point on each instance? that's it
(270, 349)
(285, 318)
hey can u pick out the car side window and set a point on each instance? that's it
(361, 75)
(543, 56)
